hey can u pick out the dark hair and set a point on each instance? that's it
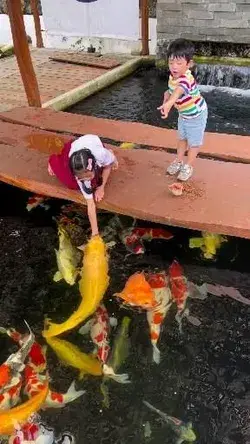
(82, 160)
(181, 48)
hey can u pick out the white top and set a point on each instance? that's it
(103, 156)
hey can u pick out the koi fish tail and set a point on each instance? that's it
(72, 394)
(156, 354)
(121, 379)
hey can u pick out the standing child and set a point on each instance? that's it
(183, 94)
(84, 164)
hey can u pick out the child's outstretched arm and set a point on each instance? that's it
(166, 107)
(91, 207)
(165, 99)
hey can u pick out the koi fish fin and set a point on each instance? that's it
(197, 292)
(85, 329)
(3, 331)
(178, 318)
(57, 276)
(105, 393)
(113, 322)
(156, 354)
(193, 320)
(72, 394)
(109, 372)
(196, 242)
(81, 375)
(154, 409)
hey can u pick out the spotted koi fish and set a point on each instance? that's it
(34, 378)
(179, 289)
(37, 201)
(11, 396)
(133, 238)
(34, 383)
(159, 284)
(99, 328)
(10, 370)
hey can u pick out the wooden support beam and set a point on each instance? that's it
(144, 27)
(35, 12)
(22, 52)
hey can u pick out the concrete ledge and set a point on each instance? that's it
(85, 90)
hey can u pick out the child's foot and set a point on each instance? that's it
(185, 172)
(174, 167)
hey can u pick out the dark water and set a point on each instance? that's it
(137, 97)
(204, 374)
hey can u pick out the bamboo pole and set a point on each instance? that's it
(35, 12)
(144, 27)
(22, 52)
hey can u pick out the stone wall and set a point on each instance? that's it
(203, 20)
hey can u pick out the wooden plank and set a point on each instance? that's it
(140, 189)
(219, 146)
(86, 59)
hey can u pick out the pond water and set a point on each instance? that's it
(204, 373)
(137, 98)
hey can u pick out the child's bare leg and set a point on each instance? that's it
(176, 165)
(181, 149)
(192, 154)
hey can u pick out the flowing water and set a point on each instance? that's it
(204, 373)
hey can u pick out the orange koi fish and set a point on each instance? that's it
(35, 201)
(138, 293)
(156, 316)
(22, 413)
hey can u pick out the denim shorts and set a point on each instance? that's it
(193, 130)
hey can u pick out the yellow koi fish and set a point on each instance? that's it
(67, 259)
(93, 285)
(21, 414)
(71, 355)
(209, 243)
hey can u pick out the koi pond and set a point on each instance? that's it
(203, 377)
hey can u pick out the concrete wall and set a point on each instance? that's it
(204, 20)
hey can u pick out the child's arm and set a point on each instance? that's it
(178, 92)
(99, 194)
(165, 99)
(92, 216)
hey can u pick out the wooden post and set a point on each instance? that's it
(144, 27)
(22, 52)
(35, 12)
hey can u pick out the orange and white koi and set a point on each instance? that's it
(15, 363)
(21, 413)
(179, 289)
(11, 396)
(156, 316)
(99, 328)
(34, 383)
(24, 434)
(138, 293)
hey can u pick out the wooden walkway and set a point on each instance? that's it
(216, 199)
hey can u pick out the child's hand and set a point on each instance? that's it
(165, 111)
(161, 108)
(99, 194)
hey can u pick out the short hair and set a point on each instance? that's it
(82, 160)
(181, 48)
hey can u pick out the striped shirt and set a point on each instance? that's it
(191, 103)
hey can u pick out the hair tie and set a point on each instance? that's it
(89, 166)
